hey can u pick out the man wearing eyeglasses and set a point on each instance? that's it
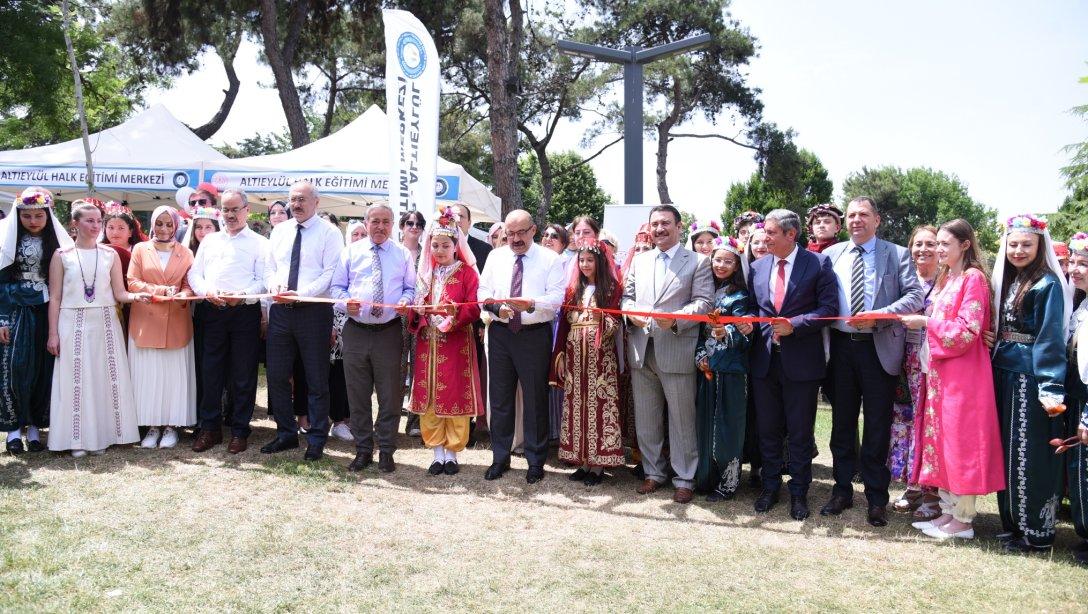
(229, 264)
(530, 279)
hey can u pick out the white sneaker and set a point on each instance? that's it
(79, 453)
(342, 432)
(169, 438)
(922, 524)
(938, 532)
(151, 440)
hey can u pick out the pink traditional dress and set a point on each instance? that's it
(958, 440)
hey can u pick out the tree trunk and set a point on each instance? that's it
(80, 109)
(503, 47)
(663, 130)
(280, 60)
(206, 131)
(330, 108)
(547, 183)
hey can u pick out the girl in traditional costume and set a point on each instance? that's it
(1033, 302)
(92, 405)
(703, 235)
(958, 439)
(722, 398)
(446, 387)
(160, 345)
(29, 236)
(1076, 396)
(585, 364)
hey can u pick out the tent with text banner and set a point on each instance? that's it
(143, 161)
(350, 169)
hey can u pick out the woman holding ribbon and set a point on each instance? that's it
(160, 345)
(722, 399)
(1034, 304)
(585, 365)
(92, 405)
(446, 387)
(28, 239)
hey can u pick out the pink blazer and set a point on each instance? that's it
(166, 325)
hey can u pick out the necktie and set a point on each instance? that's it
(780, 287)
(857, 282)
(296, 257)
(515, 290)
(661, 272)
(376, 280)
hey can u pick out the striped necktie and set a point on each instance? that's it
(857, 282)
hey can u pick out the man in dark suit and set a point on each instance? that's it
(797, 288)
(875, 276)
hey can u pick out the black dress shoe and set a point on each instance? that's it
(496, 470)
(836, 505)
(35, 446)
(578, 475)
(385, 462)
(451, 468)
(362, 461)
(1023, 546)
(878, 515)
(798, 507)
(534, 474)
(279, 445)
(313, 452)
(593, 479)
(718, 495)
(15, 447)
(754, 481)
(436, 468)
(766, 500)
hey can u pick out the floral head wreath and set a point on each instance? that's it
(713, 227)
(206, 213)
(34, 198)
(446, 223)
(115, 208)
(1078, 243)
(588, 245)
(825, 209)
(729, 244)
(1026, 223)
(748, 217)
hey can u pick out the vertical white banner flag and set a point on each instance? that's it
(412, 90)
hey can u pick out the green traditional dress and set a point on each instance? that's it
(722, 401)
(26, 369)
(1029, 365)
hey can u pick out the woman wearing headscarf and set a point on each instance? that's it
(28, 238)
(160, 344)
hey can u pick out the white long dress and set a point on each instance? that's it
(92, 405)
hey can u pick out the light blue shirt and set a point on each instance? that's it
(353, 278)
(844, 270)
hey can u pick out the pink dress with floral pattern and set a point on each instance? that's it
(958, 440)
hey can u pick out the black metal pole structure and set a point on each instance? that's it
(632, 58)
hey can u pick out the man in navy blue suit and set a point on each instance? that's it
(797, 288)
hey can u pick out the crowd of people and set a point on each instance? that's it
(687, 362)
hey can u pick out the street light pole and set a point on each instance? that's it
(633, 58)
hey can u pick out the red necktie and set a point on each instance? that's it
(780, 287)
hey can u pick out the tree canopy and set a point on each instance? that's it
(575, 191)
(797, 185)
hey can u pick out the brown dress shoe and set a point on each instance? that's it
(206, 440)
(683, 495)
(648, 486)
(237, 445)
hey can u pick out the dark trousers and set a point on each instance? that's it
(860, 384)
(232, 339)
(299, 332)
(300, 391)
(372, 365)
(338, 392)
(512, 358)
(785, 412)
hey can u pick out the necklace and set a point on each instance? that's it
(88, 290)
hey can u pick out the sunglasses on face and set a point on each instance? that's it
(551, 234)
(411, 224)
(198, 202)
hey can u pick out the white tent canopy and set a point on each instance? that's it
(350, 169)
(144, 161)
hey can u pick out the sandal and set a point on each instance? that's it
(908, 501)
(929, 507)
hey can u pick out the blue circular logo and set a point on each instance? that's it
(442, 187)
(411, 55)
(181, 179)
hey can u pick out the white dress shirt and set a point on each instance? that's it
(319, 255)
(844, 270)
(353, 278)
(789, 270)
(226, 263)
(544, 280)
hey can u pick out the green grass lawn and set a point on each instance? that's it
(178, 531)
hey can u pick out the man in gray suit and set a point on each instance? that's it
(670, 280)
(875, 277)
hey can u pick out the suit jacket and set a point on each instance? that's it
(688, 288)
(812, 292)
(160, 325)
(480, 250)
(897, 291)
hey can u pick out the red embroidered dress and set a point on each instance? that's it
(447, 378)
